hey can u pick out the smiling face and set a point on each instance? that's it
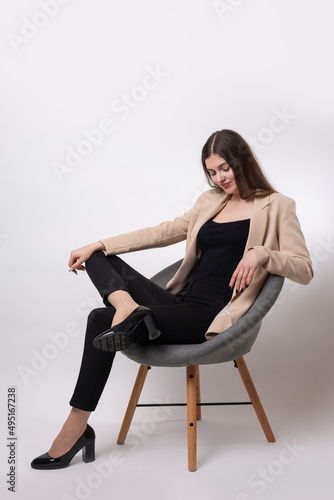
(222, 174)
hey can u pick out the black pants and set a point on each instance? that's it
(182, 319)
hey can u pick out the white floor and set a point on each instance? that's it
(234, 460)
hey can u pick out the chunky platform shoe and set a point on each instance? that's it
(86, 443)
(119, 337)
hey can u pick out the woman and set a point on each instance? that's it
(236, 234)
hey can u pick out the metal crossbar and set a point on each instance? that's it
(197, 404)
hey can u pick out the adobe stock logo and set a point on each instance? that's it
(263, 477)
(30, 28)
(279, 121)
(41, 358)
(223, 8)
(122, 107)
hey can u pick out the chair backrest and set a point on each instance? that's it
(166, 274)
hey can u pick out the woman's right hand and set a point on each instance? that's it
(79, 256)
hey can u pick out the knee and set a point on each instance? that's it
(101, 316)
(95, 314)
(95, 257)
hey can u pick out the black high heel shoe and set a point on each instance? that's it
(119, 337)
(86, 443)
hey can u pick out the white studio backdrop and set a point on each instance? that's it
(105, 107)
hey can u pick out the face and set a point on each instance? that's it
(221, 174)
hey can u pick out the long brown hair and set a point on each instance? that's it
(251, 181)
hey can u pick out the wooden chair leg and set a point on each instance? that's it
(254, 397)
(191, 416)
(198, 394)
(137, 388)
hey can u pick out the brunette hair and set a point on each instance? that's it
(251, 181)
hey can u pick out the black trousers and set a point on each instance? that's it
(182, 319)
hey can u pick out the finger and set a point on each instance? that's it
(74, 259)
(76, 262)
(242, 277)
(232, 282)
(236, 279)
(233, 278)
(242, 284)
(78, 265)
(241, 281)
(246, 279)
(75, 269)
(71, 261)
(238, 282)
(249, 277)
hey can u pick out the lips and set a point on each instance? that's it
(226, 184)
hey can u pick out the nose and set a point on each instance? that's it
(221, 176)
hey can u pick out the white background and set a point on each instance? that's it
(237, 67)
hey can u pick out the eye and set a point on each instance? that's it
(226, 168)
(211, 173)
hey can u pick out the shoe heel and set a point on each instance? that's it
(153, 331)
(88, 452)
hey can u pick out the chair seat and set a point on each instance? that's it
(231, 344)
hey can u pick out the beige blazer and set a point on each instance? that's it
(275, 234)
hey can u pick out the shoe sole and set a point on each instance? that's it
(112, 341)
(115, 342)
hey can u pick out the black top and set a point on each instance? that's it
(222, 246)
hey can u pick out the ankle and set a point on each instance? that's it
(74, 426)
(121, 299)
(75, 423)
(127, 305)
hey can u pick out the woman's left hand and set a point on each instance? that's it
(243, 274)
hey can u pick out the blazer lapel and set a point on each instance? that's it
(208, 213)
(258, 223)
(257, 227)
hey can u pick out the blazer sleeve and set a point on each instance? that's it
(166, 233)
(292, 260)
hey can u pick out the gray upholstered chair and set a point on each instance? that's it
(231, 345)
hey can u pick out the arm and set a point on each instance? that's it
(166, 233)
(79, 256)
(292, 260)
